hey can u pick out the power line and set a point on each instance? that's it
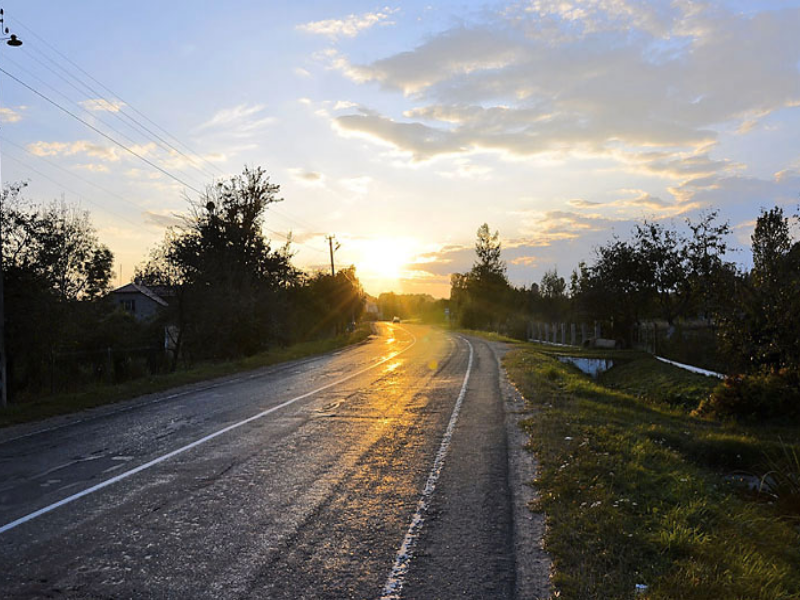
(61, 185)
(128, 104)
(80, 107)
(85, 110)
(119, 113)
(102, 133)
(285, 216)
(5, 140)
(122, 111)
(103, 207)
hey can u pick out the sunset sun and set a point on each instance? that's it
(383, 258)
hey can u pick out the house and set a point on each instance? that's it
(141, 301)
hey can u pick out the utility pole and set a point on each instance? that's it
(14, 42)
(330, 239)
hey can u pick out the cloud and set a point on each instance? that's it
(102, 105)
(93, 167)
(107, 153)
(419, 140)
(650, 85)
(349, 26)
(242, 120)
(9, 115)
(543, 228)
(466, 169)
(736, 192)
(527, 261)
(356, 185)
(580, 203)
(306, 177)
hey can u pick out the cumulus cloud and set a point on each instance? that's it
(736, 191)
(42, 148)
(102, 105)
(527, 261)
(349, 26)
(543, 228)
(650, 84)
(9, 115)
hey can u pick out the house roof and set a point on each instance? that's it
(137, 288)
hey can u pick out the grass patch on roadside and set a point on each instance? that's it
(646, 377)
(634, 489)
(101, 394)
(487, 335)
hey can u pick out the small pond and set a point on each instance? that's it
(590, 366)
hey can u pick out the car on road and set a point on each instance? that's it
(396, 320)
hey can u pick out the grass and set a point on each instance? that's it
(101, 394)
(645, 377)
(634, 487)
(487, 335)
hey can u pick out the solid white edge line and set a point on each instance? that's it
(394, 583)
(182, 449)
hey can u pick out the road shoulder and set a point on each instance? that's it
(533, 564)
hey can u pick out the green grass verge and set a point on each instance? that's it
(634, 488)
(100, 394)
(645, 377)
(487, 335)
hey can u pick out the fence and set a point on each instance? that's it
(692, 342)
(70, 371)
(567, 334)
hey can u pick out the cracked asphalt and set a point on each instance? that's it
(311, 499)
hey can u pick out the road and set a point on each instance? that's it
(383, 470)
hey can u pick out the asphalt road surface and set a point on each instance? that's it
(379, 471)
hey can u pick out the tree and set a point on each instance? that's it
(659, 272)
(233, 286)
(55, 272)
(552, 286)
(55, 242)
(759, 324)
(483, 298)
(771, 241)
(488, 248)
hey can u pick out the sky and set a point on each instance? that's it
(401, 128)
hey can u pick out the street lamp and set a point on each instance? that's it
(13, 41)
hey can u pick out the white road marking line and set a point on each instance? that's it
(394, 584)
(203, 440)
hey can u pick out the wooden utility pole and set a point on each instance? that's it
(330, 239)
(14, 42)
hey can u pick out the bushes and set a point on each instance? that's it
(764, 395)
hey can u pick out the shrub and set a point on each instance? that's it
(764, 395)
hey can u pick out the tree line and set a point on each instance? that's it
(751, 317)
(232, 293)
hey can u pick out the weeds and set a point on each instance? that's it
(781, 481)
(635, 494)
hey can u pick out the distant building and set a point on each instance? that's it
(141, 301)
(371, 308)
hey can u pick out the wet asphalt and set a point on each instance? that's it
(311, 500)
